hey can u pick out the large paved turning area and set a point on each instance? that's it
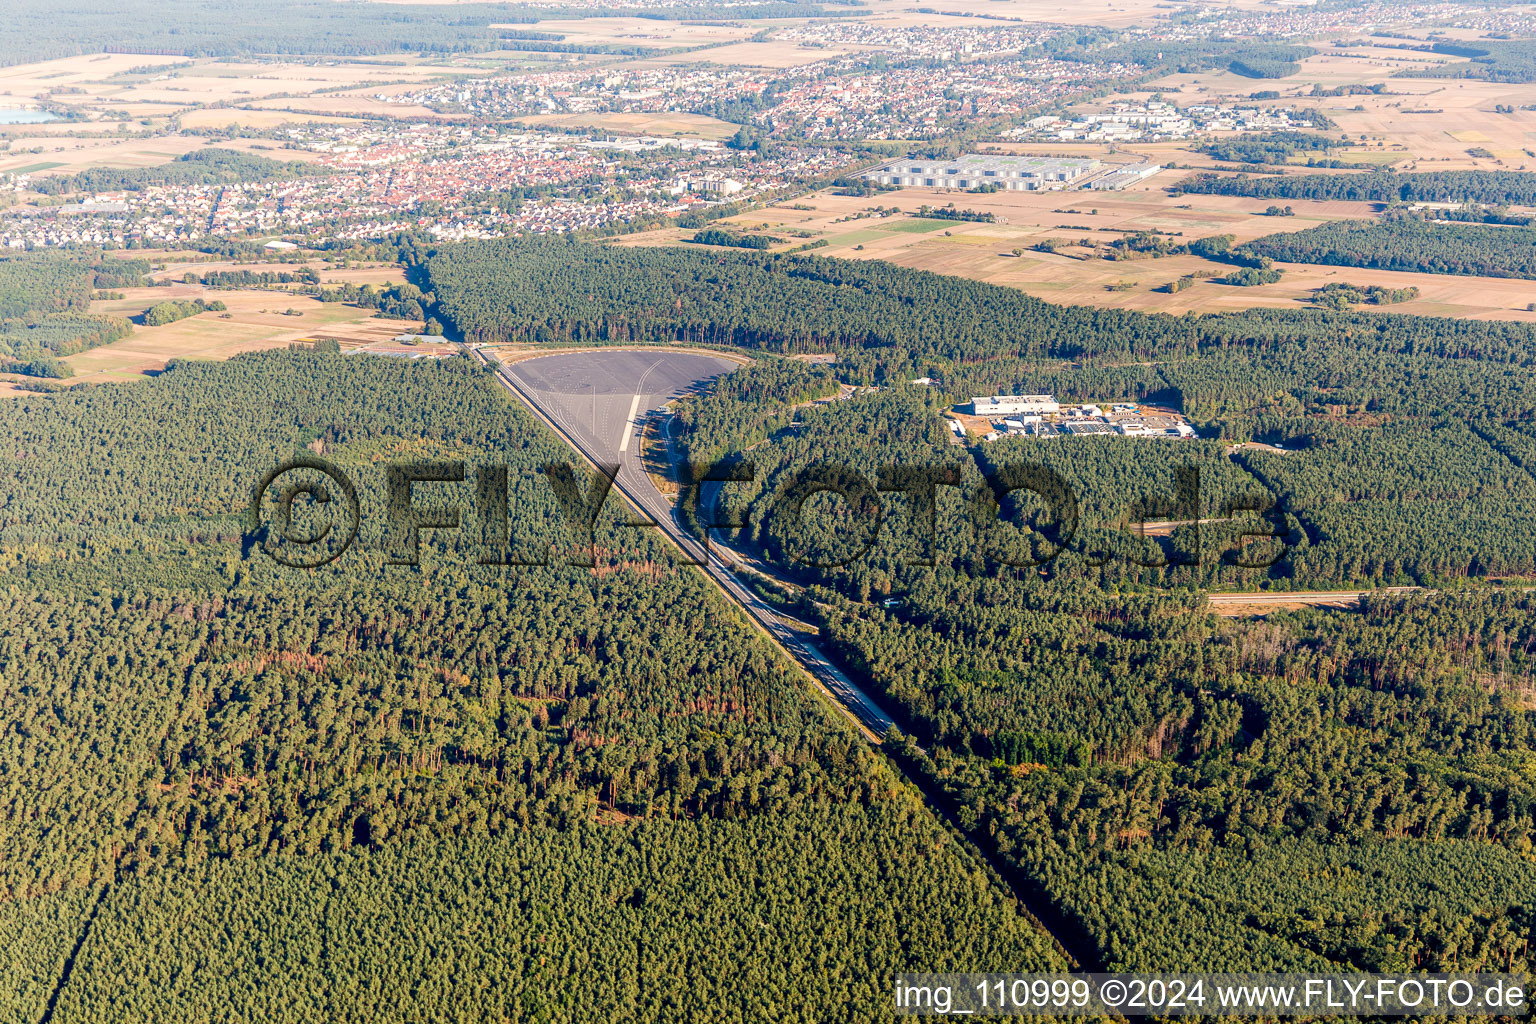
(603, 396)
(597, 399)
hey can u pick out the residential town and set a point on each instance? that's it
(483, 166)
(842, 98)
(449, 181)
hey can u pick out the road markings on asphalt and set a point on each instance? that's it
(629, 425)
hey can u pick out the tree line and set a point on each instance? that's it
(193, 727)
(1407, 243)
(1492, 188)
(208, 166)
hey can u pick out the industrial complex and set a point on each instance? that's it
(1017, 173)
(994, 406)
(1124, 177)
(995, 416)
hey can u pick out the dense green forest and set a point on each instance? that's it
(1088, 719)
(1314, 758)
(746, 405)
(169, 311)
(716, 236)
(1408, 243)
(752, 919)
(1249, 277)
(1338, 295)
(1492, 188)
(32, 30)
(1492, 60)
(1250, 57)
(1269, 148)
(882, 322)
(201, 720)
(1369, 398)
(208, 166)
(1259, 67)
(36, 284)
(44, 303)
(192, 728)
(35, 346)
(1146, 762)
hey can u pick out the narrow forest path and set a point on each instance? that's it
(69, 961)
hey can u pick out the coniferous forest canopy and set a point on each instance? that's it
(32, 30)
(1408, 243)
(44, 311)
(1258, 697)
(1092, 722)
(185, 717)
(1406, 435)
(1495, 188)
(214, 724)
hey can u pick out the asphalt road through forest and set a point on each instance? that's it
(599, 402)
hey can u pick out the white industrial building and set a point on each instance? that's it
(1126, 176)
(713, 184)
(1017, 173)
(1005, 406)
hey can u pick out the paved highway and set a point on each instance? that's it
(585, 416)
(568, 419)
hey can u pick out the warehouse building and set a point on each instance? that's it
(1003, 406)
(1127, 176)
(1017, 173)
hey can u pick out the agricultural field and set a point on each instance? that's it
(1108, 13)
(1417, 123)
(254, 321)
(64, 154)
(1073, 274)
(694, 125)
(175, 267)
(1412, 124)
(56, 152)
(1271, 708)
(647, 32)
(127, 93)
(766, 54)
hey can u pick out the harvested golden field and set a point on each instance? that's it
(769, 54)
(1423, 123)
(174, 266)
(1002, 253)
(65, 155)
(1089, 12)
(255, 320)
(645, 31)
(54, 153)
(1024, 218)
(349, 104)
(245, 117)
(695, 125)
(378, 275)
(30, 81)
(114, 91)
